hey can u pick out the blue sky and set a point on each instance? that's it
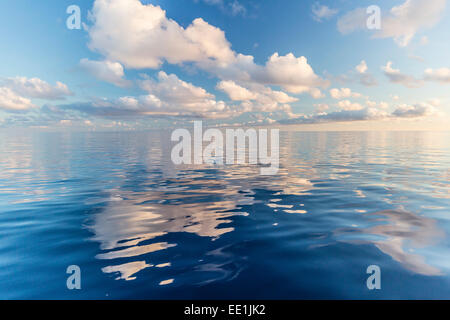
(136, 64)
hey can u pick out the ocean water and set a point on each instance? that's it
(141, 228)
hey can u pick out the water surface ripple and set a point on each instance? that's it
(141, 228)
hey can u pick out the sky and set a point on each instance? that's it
(147, 64)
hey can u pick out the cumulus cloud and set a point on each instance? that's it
(167, 95)
(363, 76)
(439, 75)
(401, 23)
(175, 95)
(395, 76)
(347, 105)
(343, 93)
(292, 74)
(12, 102)
(360, 74)
(108, 71)
(404, 21)
(235, 91)
(16, 93)
(414, 111)
(141, 36)
(361, 67)
(134, 35)
(321, 107)
(322, 12)
(259, 97)
(36, 88)
(380, 105)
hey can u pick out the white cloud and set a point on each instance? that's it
(405, 20)
(15, 93)
(401, 23)
(278, 96)
(383, 105)
(262, 98)
(343, 93)
(321, 107)
(150, 105)
(380, 105)
(322, 12)
(236, 92)
(349, 106)
(414, 111)
(440, 75)
(360, 74)
(12, 102)
(36, 88)
(175, 93)
(363, 76)
(352, 21)
(395, 76)
(170, 96)
(141, 36)
(108, 71)
(362, 67)
(166, 96)
(292, 74)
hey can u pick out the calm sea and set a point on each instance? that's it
(141, 228)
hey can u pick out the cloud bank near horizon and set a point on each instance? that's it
(128, 35)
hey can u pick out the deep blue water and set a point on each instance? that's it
(141, 228)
